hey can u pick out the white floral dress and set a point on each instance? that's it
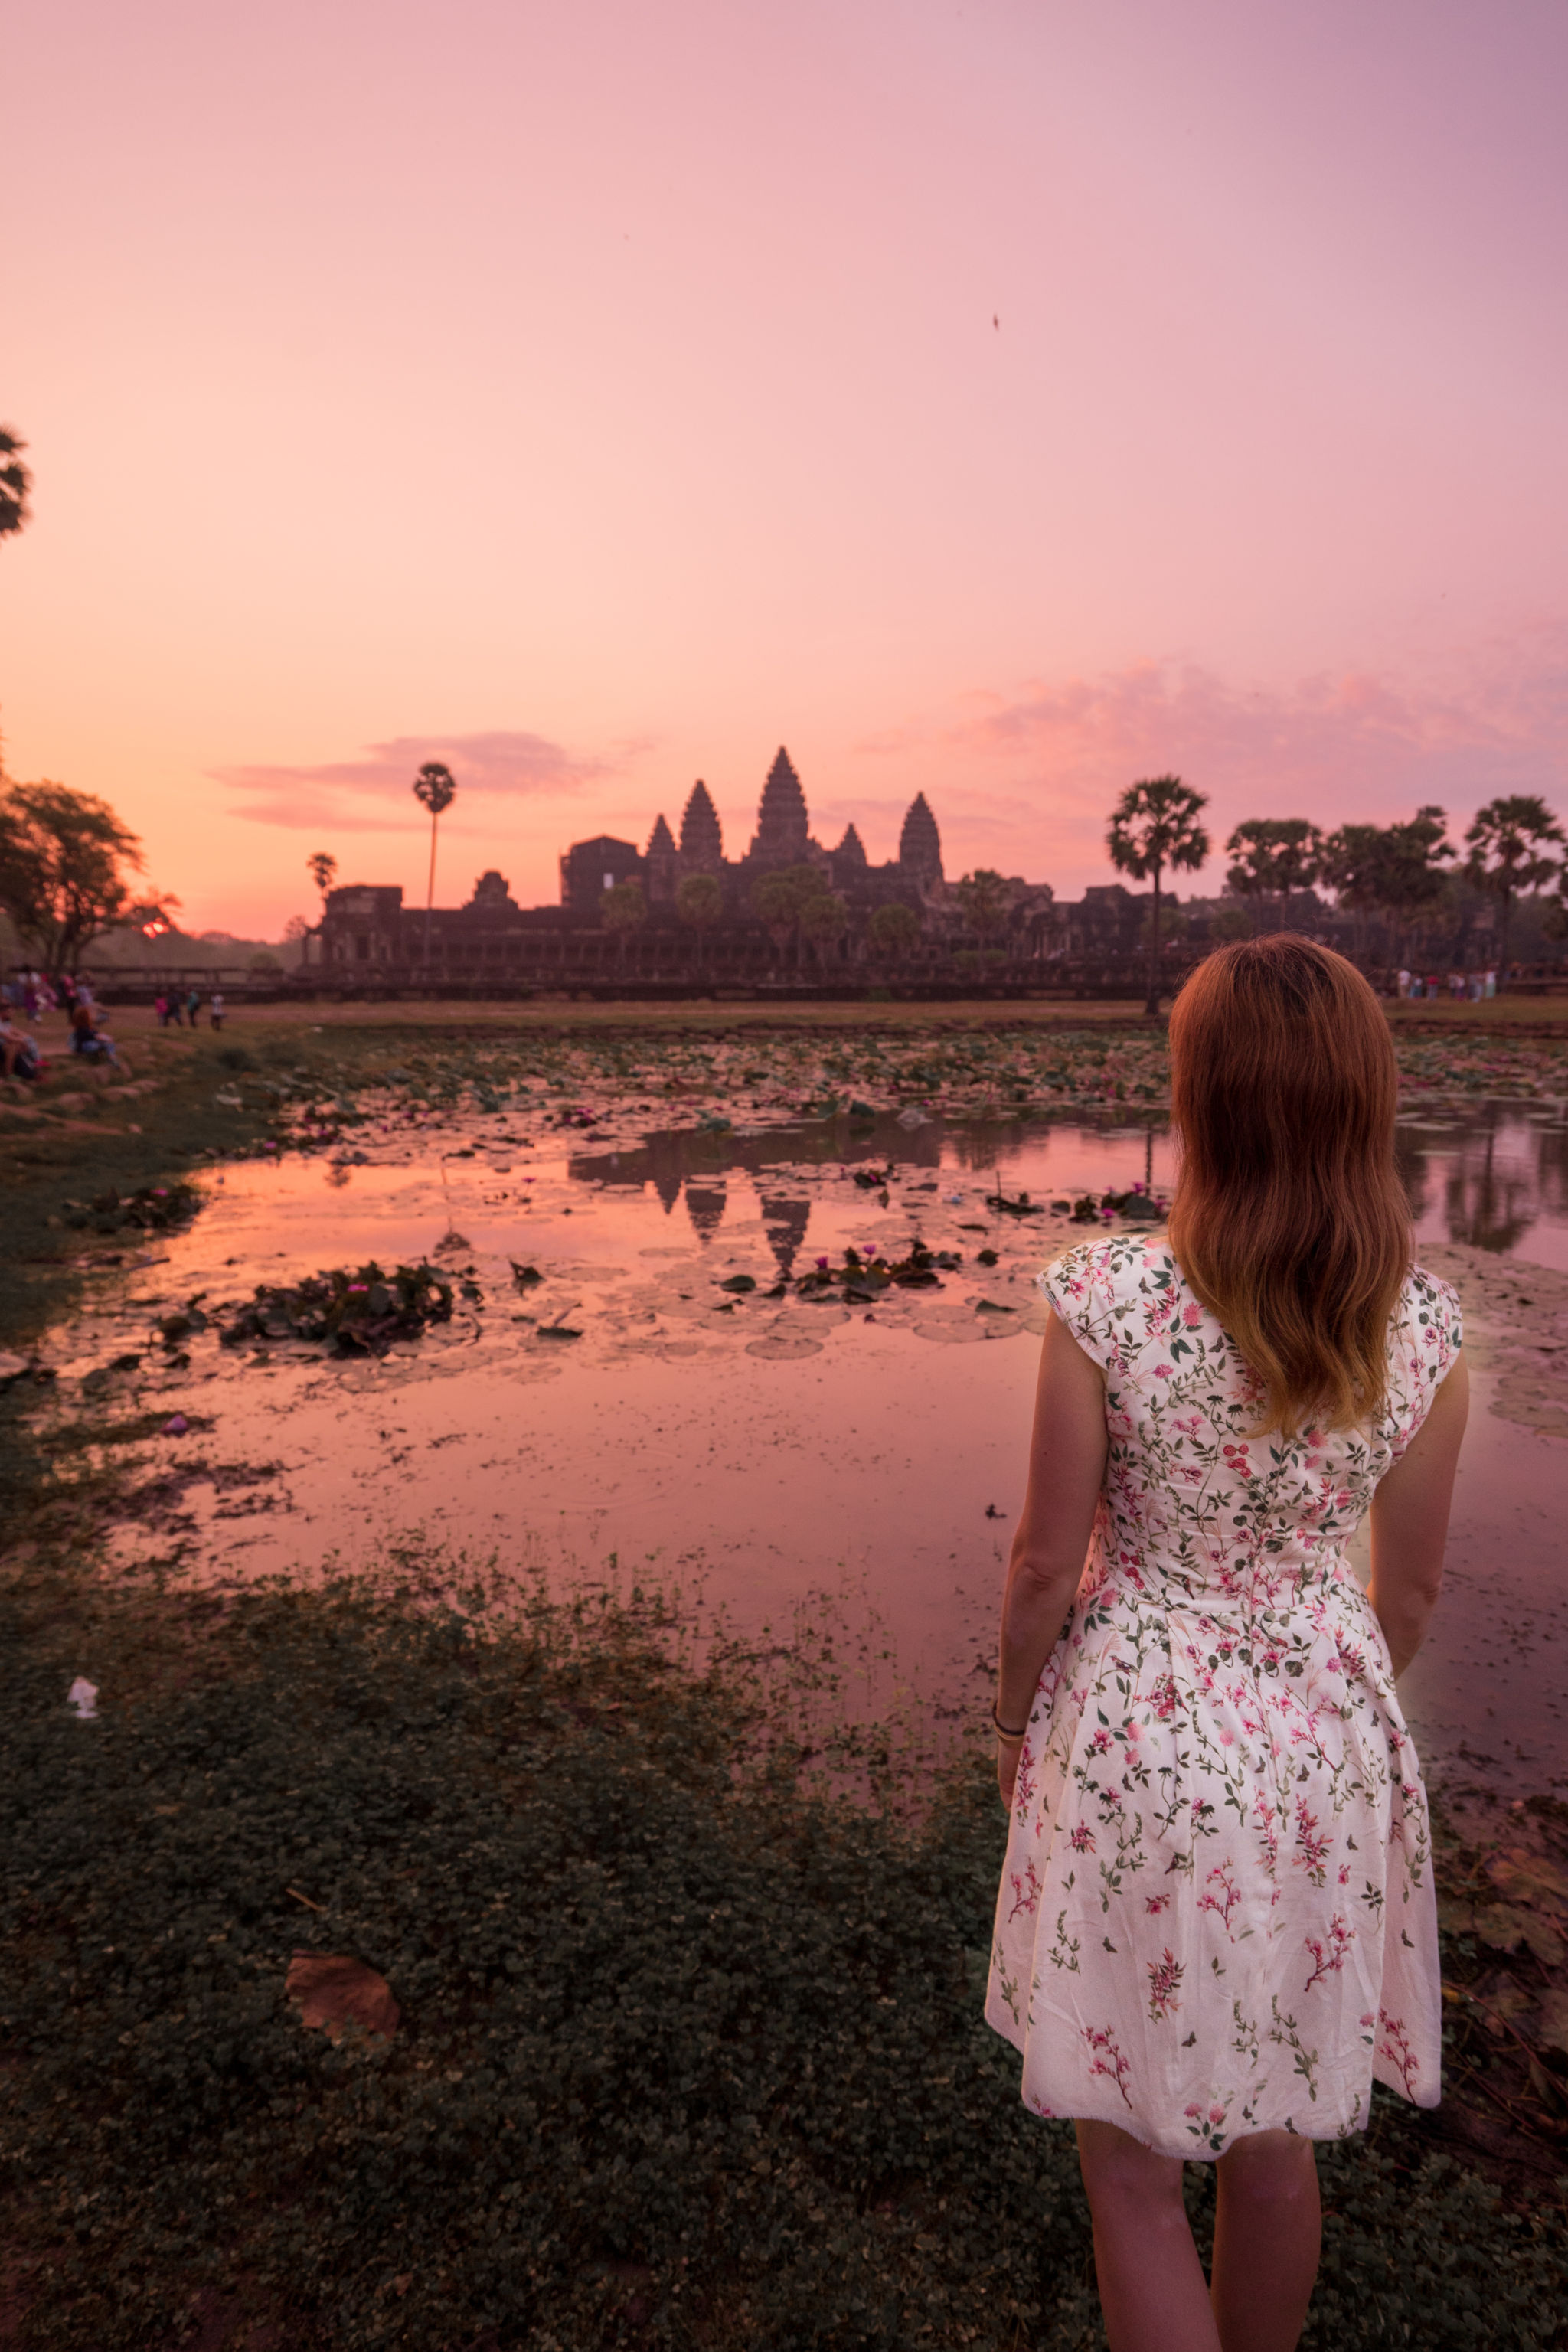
(1216, 1913)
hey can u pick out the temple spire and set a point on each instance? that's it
(701, 838)
(920, 844)
(784, 827)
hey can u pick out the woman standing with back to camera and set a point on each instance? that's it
(1216, 1924)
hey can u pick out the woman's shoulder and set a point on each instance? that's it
(1097, 1275)
(1432, 1316)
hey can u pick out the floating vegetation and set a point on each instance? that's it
(1137, 1206)
(151, 1209)
(861, 1278)
(356, 1314)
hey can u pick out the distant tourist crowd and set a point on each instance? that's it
(1472, 987)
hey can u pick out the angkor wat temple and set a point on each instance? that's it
(367, 924)
(782, 837)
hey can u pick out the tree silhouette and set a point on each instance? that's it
(623, 909)
(1274, 855)
(778, 896)
(321, 867)
(824, 919)
(436, 789)
(983, 898)
(1506, 844)
(1155, 825)
(15, 481)
(66, 863)
(895, 927)
(1395, 869)
(700, 902)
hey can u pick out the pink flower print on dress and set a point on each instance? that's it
(1395, 2047)
(1164, 1986)
(1329, 1953)
(1026, 1891)
(1221, 1894)
(1108, 2058)
(1312, 1848)
(1081, 1839)
(1191, 1315)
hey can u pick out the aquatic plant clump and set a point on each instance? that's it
(354, 1313)
(150, 1209)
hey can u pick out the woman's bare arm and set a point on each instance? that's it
(1067, 1471)
(1410, 1521)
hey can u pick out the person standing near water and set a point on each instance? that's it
(1217, 1923)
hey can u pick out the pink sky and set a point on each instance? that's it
(599, 396)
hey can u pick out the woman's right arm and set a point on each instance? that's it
(1410, 1521)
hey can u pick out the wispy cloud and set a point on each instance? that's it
(373, 792)
(1027, 779)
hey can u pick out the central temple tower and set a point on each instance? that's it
(783, 828)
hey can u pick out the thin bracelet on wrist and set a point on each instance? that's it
(1005, 1730)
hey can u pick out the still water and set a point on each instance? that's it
(772, 1450)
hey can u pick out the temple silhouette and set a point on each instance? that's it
(784, 838)
(368, 924)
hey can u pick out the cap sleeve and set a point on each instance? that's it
(1428, 1337)
(1082, 1289)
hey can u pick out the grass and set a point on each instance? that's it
(688, 2055)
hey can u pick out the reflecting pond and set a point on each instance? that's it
(629, 1372)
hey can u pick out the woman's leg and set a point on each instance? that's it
(1152, 2287)
(1268, 2230)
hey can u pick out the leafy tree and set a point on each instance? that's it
(823, 919)
(1395, 869)
(1507, 844)
(778, 896)
(66, 868)
(623, 909)
(1174, 925)
(699, 903)
(1275, 856)
(15, 481)
(1230, 923)
(435, 788)
(1154, 825)
(982, 900)
(895, 929)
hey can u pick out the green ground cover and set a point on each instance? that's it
(686, 2056)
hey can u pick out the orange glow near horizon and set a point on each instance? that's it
(998, 400)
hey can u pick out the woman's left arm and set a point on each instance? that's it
(1067, 1474)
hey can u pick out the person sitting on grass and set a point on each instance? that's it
(18, 1051)
(1216, 1926)
(94, 1044)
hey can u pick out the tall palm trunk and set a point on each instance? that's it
(430, 892)
(1152, 1008)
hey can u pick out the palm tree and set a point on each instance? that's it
(434, 789)
(895, 927)
(623, 909)
(982, 900)
(321, 867)
(700, 902)
(1155, 825)
(1506, 842)
(1276, 854)
(15, 481)
(823, 919)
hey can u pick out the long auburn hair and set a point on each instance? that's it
(1290, 1221)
